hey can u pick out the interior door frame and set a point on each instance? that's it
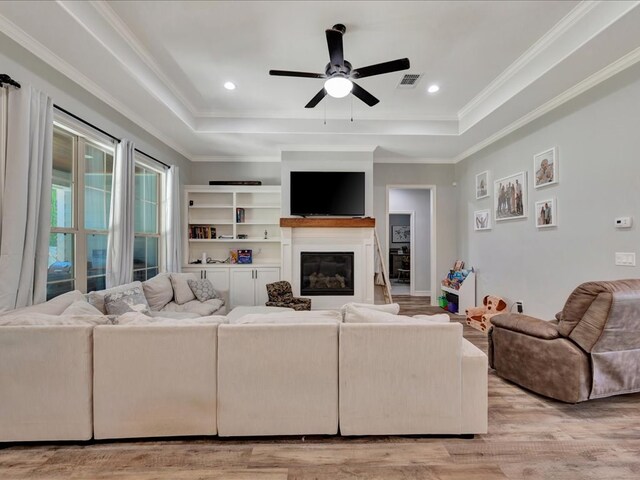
(412, 257)
(433, 292)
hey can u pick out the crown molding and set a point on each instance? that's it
(576, 29)
(99, 26)
(328, 148)
(114, 20)
(588, 83)
(27, 41)
(416, 161)
(234, 159)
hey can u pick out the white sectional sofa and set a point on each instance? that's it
(281, 373)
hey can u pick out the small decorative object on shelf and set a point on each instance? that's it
(191, 203)
(242, 236)
(266, 235)
(241, 257)
(239, 215)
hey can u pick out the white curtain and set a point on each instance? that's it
(26, 198)
(121, 220)
(173, 227)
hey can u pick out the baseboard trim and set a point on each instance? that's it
(422, 293)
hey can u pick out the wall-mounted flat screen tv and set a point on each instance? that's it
(327, 193)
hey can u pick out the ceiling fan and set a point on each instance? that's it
(339, 73)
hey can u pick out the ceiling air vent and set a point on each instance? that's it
(409, 80)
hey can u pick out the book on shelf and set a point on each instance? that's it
(239, 215)
(202, 232)
(241, 256)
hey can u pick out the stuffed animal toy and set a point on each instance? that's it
(480, 317)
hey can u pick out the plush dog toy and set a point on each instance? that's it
(480, 317)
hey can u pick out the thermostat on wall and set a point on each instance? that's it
(623, 222)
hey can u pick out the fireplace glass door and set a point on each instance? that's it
(326, 273)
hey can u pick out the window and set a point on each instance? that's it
(80, 208)
(147, 242)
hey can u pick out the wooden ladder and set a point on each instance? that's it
(386, 287)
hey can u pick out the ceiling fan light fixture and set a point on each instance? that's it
(338, 87)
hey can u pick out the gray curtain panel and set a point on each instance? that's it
(121, 225)
(173, 227)
(25, 208)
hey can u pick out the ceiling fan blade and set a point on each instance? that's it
(380, 68)
(363, 95)
(315, 100)
(334, 41)
(287, 73)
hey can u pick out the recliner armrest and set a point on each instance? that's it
(517, 322)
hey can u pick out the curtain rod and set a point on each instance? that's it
(7, 80)
(57, 107)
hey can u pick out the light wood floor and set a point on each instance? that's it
(529, 438)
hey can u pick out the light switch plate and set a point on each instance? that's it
(626, 259)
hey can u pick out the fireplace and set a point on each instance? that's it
(326, 273)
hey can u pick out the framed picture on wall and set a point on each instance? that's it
(400, 233)
(510, 197)
(482, 220)
(545, 168)
(482, 185)
(546, 213)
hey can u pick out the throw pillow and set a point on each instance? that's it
(55, 306)
(81, 307)
(182, 293)
(97, 298)
(158, 291)
(393, 308)
(202, 289)
(130, 300)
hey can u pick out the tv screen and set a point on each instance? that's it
(327, 193)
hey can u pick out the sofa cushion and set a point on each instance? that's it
(97, 298)
(130, 300)
(182, 293)
(81, 307)
(368, 315)
(137, 318)
(194, 306)
(246, 310)
(158, 291)
(25, 319)
(202, 289)
(174, 315)
(289, 317)
(55, 306)
(393, 308)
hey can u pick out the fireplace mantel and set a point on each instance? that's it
(367, 222)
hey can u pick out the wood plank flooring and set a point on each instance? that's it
(529, 437)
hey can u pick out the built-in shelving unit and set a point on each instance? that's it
(217, 207)
(465, 296)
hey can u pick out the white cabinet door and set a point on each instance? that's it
(219, 278)
(263, 276)
(242, 288)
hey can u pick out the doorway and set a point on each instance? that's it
(410, 239)
(401, 245)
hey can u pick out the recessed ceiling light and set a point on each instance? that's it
(229, 85)
(433, 88)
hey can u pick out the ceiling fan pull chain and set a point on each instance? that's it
(351, 108)
(325, 113)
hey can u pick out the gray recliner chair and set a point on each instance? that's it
(591, 350)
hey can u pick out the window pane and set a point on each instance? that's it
(139, 275)
(97, 188)
(151, 186)
(139, 253)
(152, 272)
(62, 183)
(150, 218)
(139, 194)
(58, 288)
(60, 265)
(152, 252)
(96, 283)
(96, 255)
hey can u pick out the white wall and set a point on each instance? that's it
(418, 201)
(266, 172)
(327, 162)
(599, 160)
(442, 177)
